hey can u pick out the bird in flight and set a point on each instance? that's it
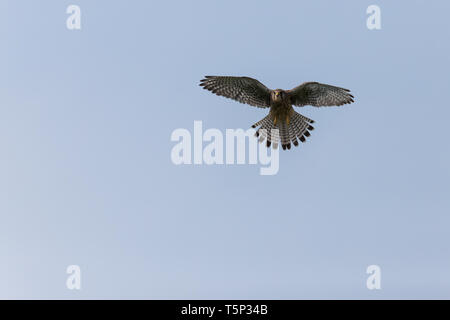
(282, 123)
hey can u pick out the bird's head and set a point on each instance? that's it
(278, 95)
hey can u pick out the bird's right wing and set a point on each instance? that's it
(242, 89)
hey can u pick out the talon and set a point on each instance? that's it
(275, 121)
(287, 120)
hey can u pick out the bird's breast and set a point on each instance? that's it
(281, 112)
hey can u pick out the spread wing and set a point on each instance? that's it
(242, 89)
(319, 94)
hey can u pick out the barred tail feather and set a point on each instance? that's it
(267, 131)
(298, 128)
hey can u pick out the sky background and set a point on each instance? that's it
(86, 176)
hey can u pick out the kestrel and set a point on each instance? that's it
(291, 125)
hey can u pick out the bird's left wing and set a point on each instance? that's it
(319, 94)
(242, 89)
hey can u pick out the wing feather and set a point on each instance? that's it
(319, 94)
(243, 89)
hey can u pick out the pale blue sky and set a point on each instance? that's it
(86, 176)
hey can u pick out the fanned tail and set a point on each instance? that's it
(268, 130)
(297, 127)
